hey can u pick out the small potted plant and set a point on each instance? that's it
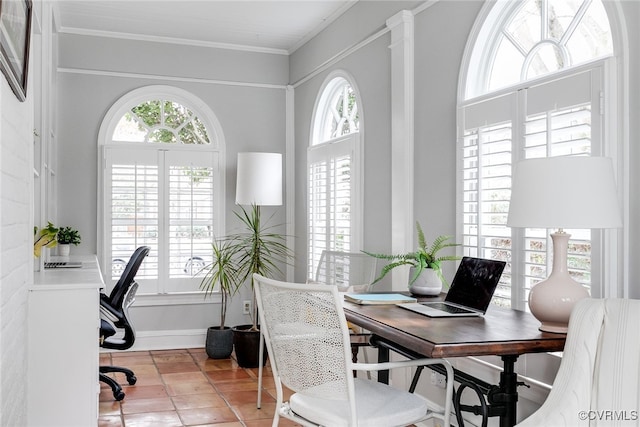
(67, 236)
(44, 238)
(425, 274)
(222, 273)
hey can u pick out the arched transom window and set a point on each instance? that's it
(161, 121)
(528, 39)
(334, 172)
(337, 112)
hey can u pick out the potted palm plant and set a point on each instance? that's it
(425, 274)
(222, 273)
(259, 250)
(67, 236)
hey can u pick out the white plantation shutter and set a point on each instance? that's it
(486, 191)
(559, 117)
(190, 217)
(165, 200)
(133, 209)
(331, 198)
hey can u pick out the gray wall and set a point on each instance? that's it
(438, 51)
(631, 11)
(246, 92)
(371, 71)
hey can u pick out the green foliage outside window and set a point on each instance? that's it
(168, 122)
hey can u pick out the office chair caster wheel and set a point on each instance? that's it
(131, 379)
(118, 395)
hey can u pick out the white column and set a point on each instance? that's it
(289, 171)
(402, 139)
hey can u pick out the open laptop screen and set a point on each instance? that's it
(475, 282)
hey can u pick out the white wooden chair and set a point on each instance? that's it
(597, 383)
(307, 338)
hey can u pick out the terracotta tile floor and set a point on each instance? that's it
(186, 388)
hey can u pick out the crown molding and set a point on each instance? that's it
(172, 40)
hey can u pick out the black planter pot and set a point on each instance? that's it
(219, 343)
(247, 346)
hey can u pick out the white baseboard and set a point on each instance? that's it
(169, 339)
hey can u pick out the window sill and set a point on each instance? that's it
(177, 298)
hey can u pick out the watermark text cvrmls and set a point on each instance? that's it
(605, 415)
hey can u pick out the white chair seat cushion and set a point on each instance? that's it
(377, 404)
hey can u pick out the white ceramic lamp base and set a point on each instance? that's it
(552, 300)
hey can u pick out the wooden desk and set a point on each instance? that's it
(502, 332)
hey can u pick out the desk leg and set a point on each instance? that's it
(508, 392)
(383, 357)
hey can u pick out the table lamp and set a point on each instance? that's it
(562, 192)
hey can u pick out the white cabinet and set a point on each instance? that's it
(64, 322)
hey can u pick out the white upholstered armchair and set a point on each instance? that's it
(598, 383)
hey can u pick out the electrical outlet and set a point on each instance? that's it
(438, 380)
(246, 307)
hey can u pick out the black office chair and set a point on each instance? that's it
(115, 317)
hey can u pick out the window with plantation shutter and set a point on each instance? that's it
(330, 199)
(533, 87)
(557, 117)
(164, 200)
(334, 181)
(162, 188)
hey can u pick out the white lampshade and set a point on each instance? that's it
(564, 192)
(259, 179)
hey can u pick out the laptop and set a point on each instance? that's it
(470, 293)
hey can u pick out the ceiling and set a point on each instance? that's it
(263, 25)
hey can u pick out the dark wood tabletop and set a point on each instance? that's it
(500, 332)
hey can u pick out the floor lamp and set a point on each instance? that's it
(259, 183)
(562, 192)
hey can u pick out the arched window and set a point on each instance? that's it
(162, 186)
(533, 87)
(334, 171)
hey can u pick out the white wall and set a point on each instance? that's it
(16, 250)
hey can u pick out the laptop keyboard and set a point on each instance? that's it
(62, 264)
(448, 308)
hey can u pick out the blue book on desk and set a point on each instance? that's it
(368, 299)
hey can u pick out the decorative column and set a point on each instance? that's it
(289, 173)
(402, 138)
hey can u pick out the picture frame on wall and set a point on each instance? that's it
(15, 35)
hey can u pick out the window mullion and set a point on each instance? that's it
(163, 222)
